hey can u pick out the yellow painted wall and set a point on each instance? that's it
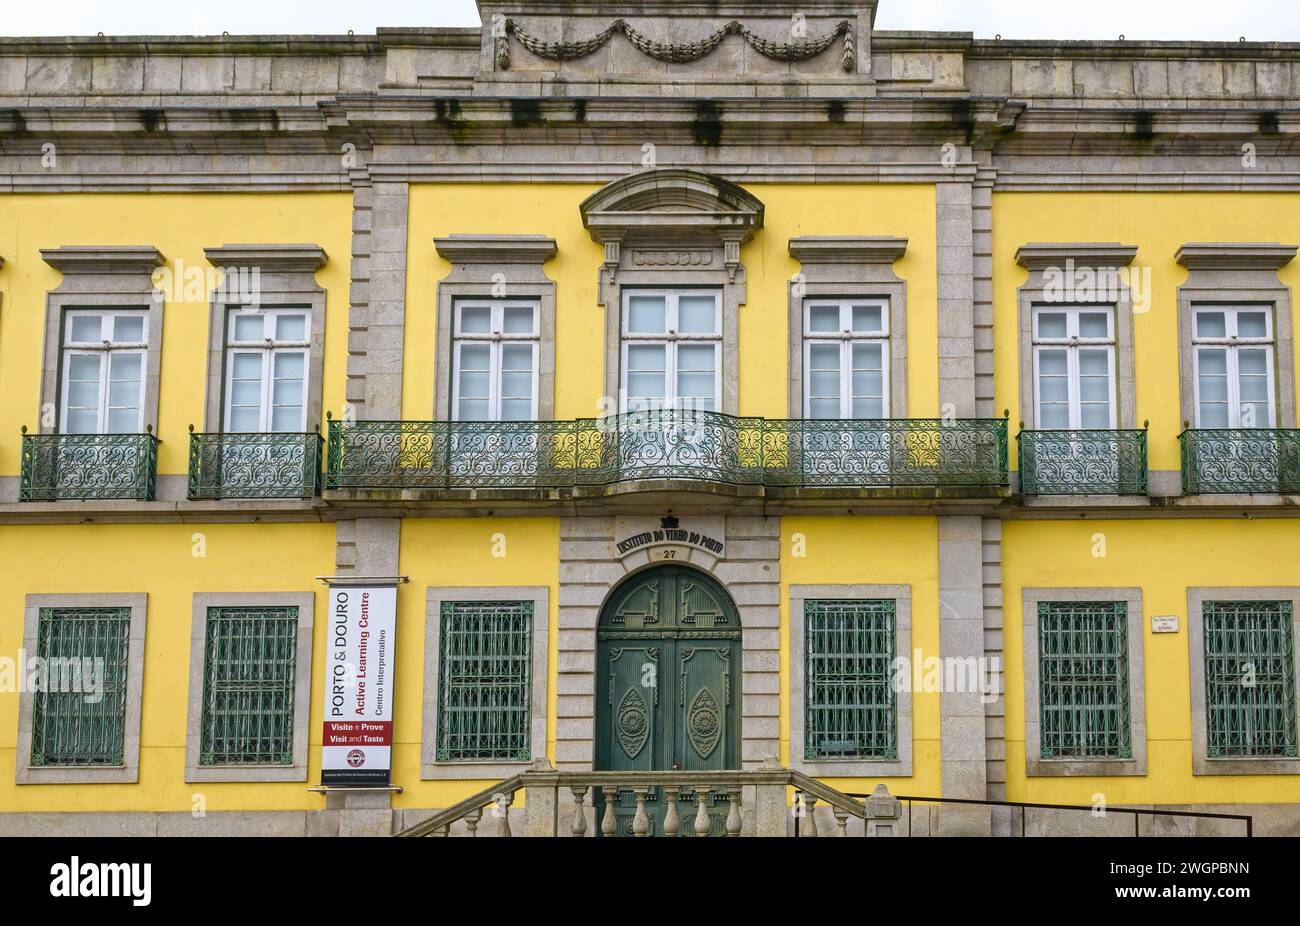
(871, 551)
(160, 559)
(438, 210)
(180, 225)
(479, 552)
(1159, 224)
(1163, 558)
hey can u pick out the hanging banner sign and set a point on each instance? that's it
(358, 742)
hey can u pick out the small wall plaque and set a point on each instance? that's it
(1164, 624)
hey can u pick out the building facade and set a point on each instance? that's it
(728, 386)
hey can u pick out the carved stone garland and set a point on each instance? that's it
(676, 54)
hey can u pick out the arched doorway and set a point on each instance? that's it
(668, 685)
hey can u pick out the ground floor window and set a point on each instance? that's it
(1250, 681)
(850, 708)
(485, 663)
(1083, 690)
(69, 726)
(249, 680)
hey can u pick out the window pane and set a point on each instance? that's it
(128, 329)
(825, 409)
(475, 357)
(124, 385)
(1094, 325)
(87, 329)
(516, 385)
(476, 319)
(475, 384)
(1095, 416)
(697, 315)
(646, 365)
(824, 318)
(519, 319)
(517, 357)
(246, 392)
(1054, 417)
(1052, 325)
(244, 419)
(867, 384)
(824, 357)
(696, 357)
(290, 364)
(642, 357)
(291, 328)
(287, 392)
(868, 356)
(1213, 362)
(1211, 325)
(83, 386)
(123, 421)
(647, 315)
(249, 326)
(868, 319)
(869, 408)
(286, 419)
(1252, 325)
(825, 384)
(516, 409)
(472, 410)
(1053, 362)
(248, 366)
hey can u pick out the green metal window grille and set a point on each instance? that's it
(1083, 680)
(250, 658)
(1250, 693)
(850, 706)
(72, 724)
(484, 690)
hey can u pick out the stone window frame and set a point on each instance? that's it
(1035, 765)
(1237, 273)
(494, 769)
(846, 267)
(1038, 258)
(116, 277)
(1197, 596)
(129, 771)
(480, 264)
(672, 228)
(305, 602)
(286, 280)
(852, 767)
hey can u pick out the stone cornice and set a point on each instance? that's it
(1236, 256)
(847, 249)
(496, 249)
(1040, 256)
(270, 258)
(134, 259)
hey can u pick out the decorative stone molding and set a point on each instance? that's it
(1104, 261)
(101, 277)
(480, 264)
(1035, 765)
(269, 258)
(297, 771)
(673, 227)
(847, 266)
(271, 276)
(129, 771)
(1237, 272)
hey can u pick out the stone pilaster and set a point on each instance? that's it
(955, 220)
(376, 320)
(961, 637)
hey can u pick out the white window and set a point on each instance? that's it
(672, 350)
(494, 361)
(1232, 349)
(846, 359)
(103, 371)
(1074, 367)
(266, 370)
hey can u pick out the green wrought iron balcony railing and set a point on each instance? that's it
(60, 467)
(675, 445)
(1083, 462)
(273, 465)
(1256, 461)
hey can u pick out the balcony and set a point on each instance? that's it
(83, 467)
(1083, 462)
(1246, 461)
(668, 445)
(274, 465)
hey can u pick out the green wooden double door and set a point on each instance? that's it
(668, 689)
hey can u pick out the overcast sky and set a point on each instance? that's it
(1257, 20)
